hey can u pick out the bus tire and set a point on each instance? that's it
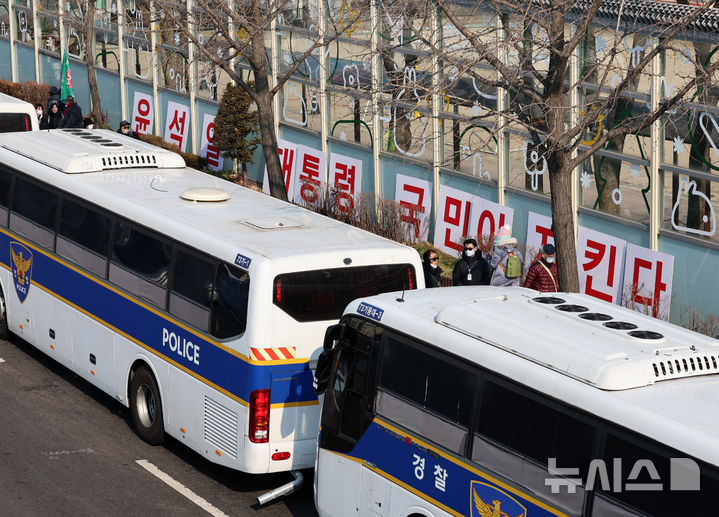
(146, 407)
(4, 329)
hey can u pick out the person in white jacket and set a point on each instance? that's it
(507, 268)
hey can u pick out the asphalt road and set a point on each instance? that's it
(66, 448)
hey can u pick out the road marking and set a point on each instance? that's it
(192, 496)
(53, 455)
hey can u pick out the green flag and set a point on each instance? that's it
(67, 88)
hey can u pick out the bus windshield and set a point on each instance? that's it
(323, 294)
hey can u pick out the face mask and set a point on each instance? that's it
(39, 113)
(434, 266)
(549, 260)
(469, 253)
(89, 126)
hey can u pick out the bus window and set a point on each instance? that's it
(10, 122)
(414, 392)
(140, 263)
(5, 183)
(323, 294)
(38, 207)
(84, 236)
(553, 434)
(647, 477)
(422, 378)
(85, 226)
(191, 292)
(230, 297)
(535, 431)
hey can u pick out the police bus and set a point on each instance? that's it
(199, 304)
(505, 402)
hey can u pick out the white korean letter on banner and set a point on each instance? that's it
(488, 217)
(288, 159)
(600, 260)
(453, 217)
(208, 149)
(648, 281)
(177, 124)
(345, 181)
(309, 184)
(143, 114)
(415, 200)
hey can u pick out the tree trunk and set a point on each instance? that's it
(266, 117)
(90, 60)
(560, 182)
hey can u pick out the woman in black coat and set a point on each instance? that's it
(432, 271)
(54, 117)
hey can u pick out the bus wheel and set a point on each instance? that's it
(4, 330)
(146, 407)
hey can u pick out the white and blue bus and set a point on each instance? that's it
(199, 304)
(505, 402)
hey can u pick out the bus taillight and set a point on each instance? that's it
(278, 291)
(410, 277)
(260, 416)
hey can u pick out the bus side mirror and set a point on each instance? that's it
(322, 372)
(324, 361)
(332, 334)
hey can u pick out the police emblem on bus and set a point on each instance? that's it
(21, 269)
(489, 501)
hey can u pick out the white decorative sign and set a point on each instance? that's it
(488, 217)
(648, 281)
(600, 261)
(452, 226)
(539, 233)
(288, 159)
(345, 180)
(309, 184)
(461, 215)
(143, 114)
(415, 200)
(208, 149)
(177, 124)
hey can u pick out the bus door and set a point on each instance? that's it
(347, 409)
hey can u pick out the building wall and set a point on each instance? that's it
(448, 147)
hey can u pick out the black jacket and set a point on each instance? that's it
(479, 268)
(52, 120)
(132, 133)
(432, 276)
(73, 116)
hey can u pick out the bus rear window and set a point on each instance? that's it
(10, 122)
(323, 294)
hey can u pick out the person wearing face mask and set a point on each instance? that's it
(472, 268)
(432, 271)
(40, 110)
(542, 275)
